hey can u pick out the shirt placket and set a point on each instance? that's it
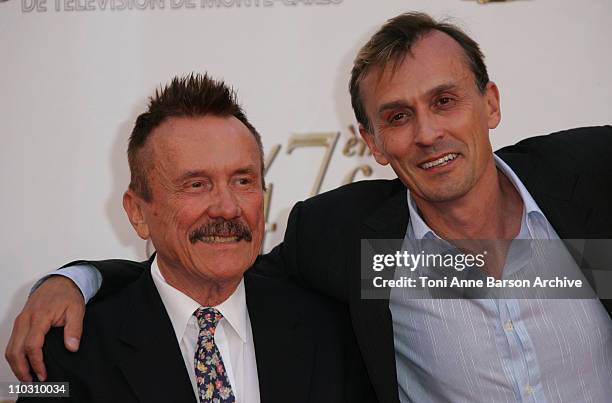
(526, 375)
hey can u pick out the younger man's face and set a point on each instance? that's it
(430, 121)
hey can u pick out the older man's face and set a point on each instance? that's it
(206, 212)
(430, 122)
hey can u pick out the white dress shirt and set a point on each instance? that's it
(233, 336)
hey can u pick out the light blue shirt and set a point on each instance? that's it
(86, 277)
(501, 350)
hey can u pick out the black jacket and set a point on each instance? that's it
(129, 351)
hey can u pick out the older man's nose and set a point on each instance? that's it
(224, 204)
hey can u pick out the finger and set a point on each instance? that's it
(20, 366)
(34, 341)
(15, 354)
(74, 327)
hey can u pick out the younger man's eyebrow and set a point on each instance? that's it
(400, 104)
(441, 88)
(394, 105)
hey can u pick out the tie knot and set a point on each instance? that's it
(208, 319)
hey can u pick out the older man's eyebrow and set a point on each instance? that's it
(196, 173)
(250, 170)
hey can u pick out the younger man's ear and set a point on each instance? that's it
(493, 105)
(370, 140)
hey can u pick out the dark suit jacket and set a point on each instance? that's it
(129, 352)
(567, 173)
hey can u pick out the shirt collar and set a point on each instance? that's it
(418, 229)
(181, 307)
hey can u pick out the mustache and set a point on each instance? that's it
(222, 227)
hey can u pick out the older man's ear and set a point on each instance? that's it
(134, 206)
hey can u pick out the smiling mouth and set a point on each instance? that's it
(439, 162)
(221, 231)
(220, 239)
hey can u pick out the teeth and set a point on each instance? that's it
(439, 161)
(220, 239)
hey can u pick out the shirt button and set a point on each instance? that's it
(529, 390)
(508, 326)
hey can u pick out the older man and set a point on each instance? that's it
(425, 105)
(195, 326)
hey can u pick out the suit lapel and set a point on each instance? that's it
(283, 346)
(555, 195)
(371, 317)
(564, 206)
(151, 359)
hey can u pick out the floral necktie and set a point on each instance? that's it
(211, 377)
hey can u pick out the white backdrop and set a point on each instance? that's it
(76, 73)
